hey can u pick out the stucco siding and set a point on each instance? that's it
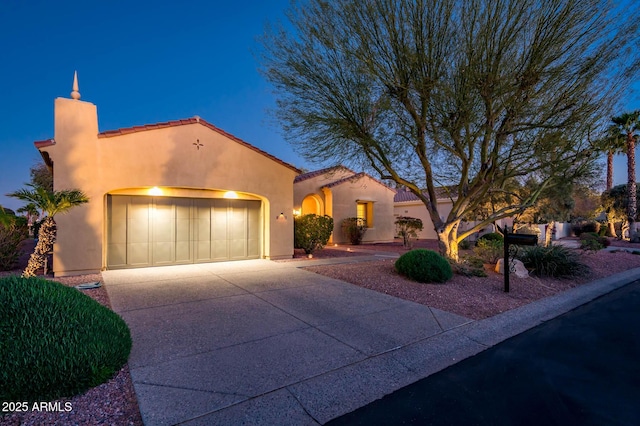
(189, 160)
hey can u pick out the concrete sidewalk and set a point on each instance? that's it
(260, 342)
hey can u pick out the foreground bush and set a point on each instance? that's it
(312, 232)
(424, 266)
(55, 341)
(553, 261)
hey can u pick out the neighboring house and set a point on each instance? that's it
(164, 194)
(341, 193)
(406, 203)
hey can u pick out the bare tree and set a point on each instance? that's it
(467, 95)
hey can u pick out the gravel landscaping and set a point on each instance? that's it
(114, 402)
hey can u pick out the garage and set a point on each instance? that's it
(155, 231)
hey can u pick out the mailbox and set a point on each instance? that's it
(521, 239)
(516, 240)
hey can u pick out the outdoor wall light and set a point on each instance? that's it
(296, 212)
(281, 217)
(155, 191)
(231, 194)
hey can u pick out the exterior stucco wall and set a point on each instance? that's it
(313, 186)
(418, 210)
(339, 201)
(345, 198)
(189, 160)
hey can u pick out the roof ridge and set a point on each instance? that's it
(192, 120)
(312, 174)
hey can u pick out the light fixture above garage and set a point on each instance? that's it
(155, 191)
(231, 194)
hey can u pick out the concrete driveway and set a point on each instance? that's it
(260, 342)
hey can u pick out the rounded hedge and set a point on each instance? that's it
(425, 266)
(491, 236)
(55, 341)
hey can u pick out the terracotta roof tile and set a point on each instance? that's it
(45, 143)
(173, 123)
(442, 193)
(313, 174)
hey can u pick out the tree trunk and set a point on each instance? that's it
(46, 238)
(609, 170)
(631, 187)
(448, 241)
(549, 233)
(612, 229)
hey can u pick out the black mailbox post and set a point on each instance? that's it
(515, 239)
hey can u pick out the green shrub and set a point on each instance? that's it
(489, 250)
(312, 232)
(407, 228)
(354, 228)
(491, 236)
(553, 261)
(592, 241)
(11, 235)
(55, 341)
(424, 266)
(581, 227)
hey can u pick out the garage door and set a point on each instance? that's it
(155, 231)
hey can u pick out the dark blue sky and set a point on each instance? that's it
(140, 62)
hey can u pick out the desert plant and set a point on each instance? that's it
(489, 250)
(552, 261)
(312, 232)
(591, 241)
(424, 266)
(470, 266)
(55, 341)
(11, 236)
(407, 228)
(354, 228)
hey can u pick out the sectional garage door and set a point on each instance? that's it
(156, 231)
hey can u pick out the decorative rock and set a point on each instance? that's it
(516, 265)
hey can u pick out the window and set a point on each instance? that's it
(364, 210)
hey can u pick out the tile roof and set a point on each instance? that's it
(45, 143)
(313, 174)
(194, 120)
(351, 178)
(443, 193)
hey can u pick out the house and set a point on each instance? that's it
(342, 193)
(406, 203)
(169, 193)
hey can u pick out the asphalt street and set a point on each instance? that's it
(581, 368)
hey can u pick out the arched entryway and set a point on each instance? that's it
(312, 204)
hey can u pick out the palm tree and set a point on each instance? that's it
(628, 124)
(50, 203)
(613, 143)
(32, 214)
